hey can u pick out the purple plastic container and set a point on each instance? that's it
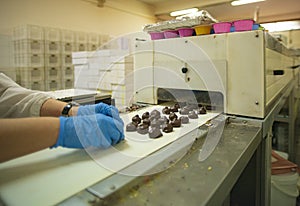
(171, 34)
(183, 32)
(243, 25)
(156, 35)
(222, 27)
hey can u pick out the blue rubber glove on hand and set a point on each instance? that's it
(100, 108)
(97, 130)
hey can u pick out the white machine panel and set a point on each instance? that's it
(239, 65)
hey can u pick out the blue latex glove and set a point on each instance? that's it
(100, 108)
(96, 130)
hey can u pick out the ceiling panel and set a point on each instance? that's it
(269, 11)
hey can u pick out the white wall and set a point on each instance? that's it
(290, 38)
(117, 17)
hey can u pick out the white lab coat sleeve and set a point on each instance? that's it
(16, 101)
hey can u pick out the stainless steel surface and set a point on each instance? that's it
(237, 172)
(149, 165)
(215, 133)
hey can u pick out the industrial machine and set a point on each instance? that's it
(242, 78)
(81, 96)
(248, 69)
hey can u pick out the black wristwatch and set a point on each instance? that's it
(67, 108)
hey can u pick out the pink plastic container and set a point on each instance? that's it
(156, 35)
(243, 25)
(171, 34)
(183, 32)
(222, 27)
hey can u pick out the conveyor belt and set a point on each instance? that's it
(50, 176)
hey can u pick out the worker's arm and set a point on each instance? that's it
(23, 136)
(26, 135)
(54, 108)
(17, 101)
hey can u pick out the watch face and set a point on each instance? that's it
(66, 110)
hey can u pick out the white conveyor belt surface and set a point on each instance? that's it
(50, 176)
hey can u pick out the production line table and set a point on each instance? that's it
(238, 172)
(231, 174)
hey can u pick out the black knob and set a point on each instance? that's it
(184, 70)
(278, 72)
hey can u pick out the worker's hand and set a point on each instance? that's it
(96, 130)
(100, 108)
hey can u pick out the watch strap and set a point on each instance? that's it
(67, 108)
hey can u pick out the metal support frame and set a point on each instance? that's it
(288, 98)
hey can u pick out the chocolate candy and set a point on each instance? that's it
(142, 128)
(184, 111)
(177, 105)
(176, 123)
(166, 110)
(163, 120)
(155, 132)
(188, 107)
(131, 127)
(155, 123)
(155, 113)
(146, 121)
(172, 116)
(167, 128)
(174, 109)
(202, 110)
(184, 119)
(145, 115)
(136, 119)
(192, 115)
(152, 118)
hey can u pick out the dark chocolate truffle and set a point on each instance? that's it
(132, 108)
(172, 116)
(174, 109)
(136, 119)
(145, 115)
(166, 110)
(163, 120)
(146, 121)
(184, 119)
(152, 117)
(131, 127)
(155, 113)
(202, 110)
(183, 111)
(176, 105)
(167, 128)
(176, 123)
(155, 123)
(192, 115)
(155, 132)
(142, 128)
